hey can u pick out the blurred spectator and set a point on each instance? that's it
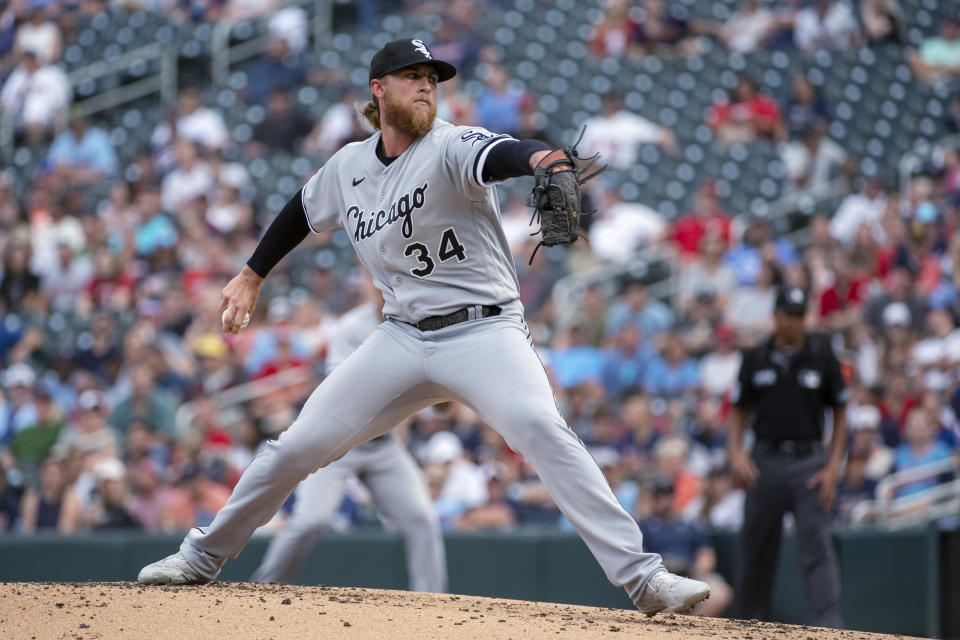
(719, 367)
(626, 361)
(751, 305)
(921, 446)
(53, 504)
(112, 509)
(458, 44)
(19, 285)
(279, 70)
(672, 372)
(8, 31)
(855, 488)
(806, 107)
(707, 276)
(498, 104)
(746, 115)
(192, 178)
(840, 305)
(938, 57)
(614, 31)
(813, 161)
(11, 491)
(291, 24)
(720, 507)
(88, 433)
(282, 128)
(37, 98)
(496, 513)
(616, 133)
(191, 121)
(620, 228)
(338, 126)
(898, 295)
(684, 548)
(748, 27)
(33, 444)
(651, 316)
(707, 216)
(671, 454)
(866, 444)
(626, 491)
(574, 360)
(38, 34)
(864, 207)
(826, 24)
(665, 31)
(82, 154)
(64, 278)
(195, 500)
(882, 21)
(456, 484)
(641, 433)
(19, 412)
(145, 403)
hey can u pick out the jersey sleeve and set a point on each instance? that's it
(835, 389)
(743, 396)
(321, 195)
(464, 152)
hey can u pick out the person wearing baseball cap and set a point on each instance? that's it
(785, 388)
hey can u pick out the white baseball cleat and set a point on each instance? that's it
(665, 590)
(171, 570)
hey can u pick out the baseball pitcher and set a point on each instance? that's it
(418, 201)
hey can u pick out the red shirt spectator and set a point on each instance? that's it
(707, 215)
(746, 115)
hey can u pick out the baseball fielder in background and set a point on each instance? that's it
(383, 464)
(419, 203)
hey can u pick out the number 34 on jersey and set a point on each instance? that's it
(448, 248)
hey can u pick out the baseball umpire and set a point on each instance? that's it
(387, 469)
(418, 201)
(785, 387)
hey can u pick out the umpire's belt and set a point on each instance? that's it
(790, 448)
(474, 312)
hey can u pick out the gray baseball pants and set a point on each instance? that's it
(399, 490)
(488, 364)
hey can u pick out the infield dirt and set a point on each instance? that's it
(241, 610)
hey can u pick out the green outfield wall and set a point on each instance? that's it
(893, 582)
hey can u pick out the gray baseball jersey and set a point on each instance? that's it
(427, 227)
(385, 466)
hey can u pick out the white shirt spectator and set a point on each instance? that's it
(746, 29)
(336, 127)
(182, 186)
(290, 24)
(858, 209)
(836, 29)
(39, 97)
(818, 166)
(697, 278)
(726, 515)
(624, 228)
(616, 137)
(466, 482)
(718, 372)
(204, 127)
(42, 39)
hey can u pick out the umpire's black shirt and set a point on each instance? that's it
(786, 393)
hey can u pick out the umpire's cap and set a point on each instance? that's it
(398, 54)
(792, 300)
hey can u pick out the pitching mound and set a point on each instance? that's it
(241, 610)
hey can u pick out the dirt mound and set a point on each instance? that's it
(242, 610)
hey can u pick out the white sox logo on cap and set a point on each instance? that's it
(422, 48)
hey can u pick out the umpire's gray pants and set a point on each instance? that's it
(782, 487)
(488, 364)
(399, 491)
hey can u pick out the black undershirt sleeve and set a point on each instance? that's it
(286, 231)
(511, 159)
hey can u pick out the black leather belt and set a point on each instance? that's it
(433, 323)
(791, 448)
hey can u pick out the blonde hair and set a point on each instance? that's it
(371, 112)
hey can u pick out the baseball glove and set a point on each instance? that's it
(555, 197)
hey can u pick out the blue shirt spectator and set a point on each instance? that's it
(83, 147)
(576, 364)
(671, 373)
(498, 107)
(921, 446)
(651, 317)
(624, 365)
(277, 71)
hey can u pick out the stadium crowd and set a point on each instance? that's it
(113, 363)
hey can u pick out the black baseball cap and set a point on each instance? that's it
(792, 300)
(398, 54)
